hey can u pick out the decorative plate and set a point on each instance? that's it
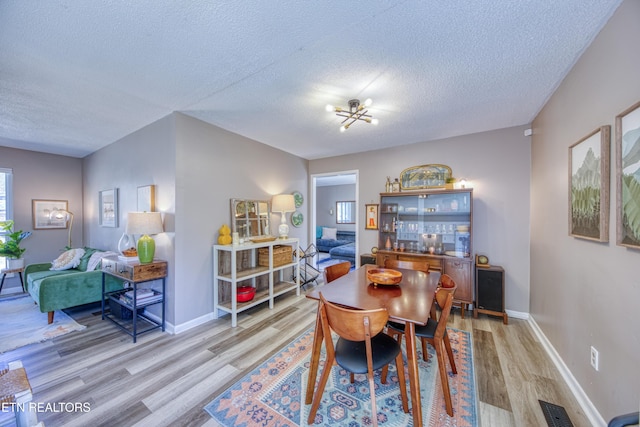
(296, 219)
(297, 197)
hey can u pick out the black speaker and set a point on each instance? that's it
(490, 291)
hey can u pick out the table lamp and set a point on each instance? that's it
(145, 223)
(283, 203)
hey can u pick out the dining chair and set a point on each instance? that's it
(362, 347)
(446, 282)
(435, 333)
(409, 265)
(335, 271)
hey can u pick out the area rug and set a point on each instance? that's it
(23, 323)
(273, 393)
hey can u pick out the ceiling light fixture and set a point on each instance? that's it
(355, 112)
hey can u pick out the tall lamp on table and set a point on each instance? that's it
(283, 203)
(145, 224)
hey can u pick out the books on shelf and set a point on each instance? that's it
(143, 296)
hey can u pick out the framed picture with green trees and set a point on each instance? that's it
(628, 177)
(589, 161)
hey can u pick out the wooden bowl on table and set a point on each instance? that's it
(384, 276)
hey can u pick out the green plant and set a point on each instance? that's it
(10, 248)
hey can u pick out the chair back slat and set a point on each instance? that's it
(335, 271)
(407, 265)
(446, 299)
(354, 325)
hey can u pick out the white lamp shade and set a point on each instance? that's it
(144, 223)
(283, 203)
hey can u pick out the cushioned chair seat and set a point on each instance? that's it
(352, 356)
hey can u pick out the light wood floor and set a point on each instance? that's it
(166, 380)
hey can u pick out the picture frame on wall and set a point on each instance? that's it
(108, 208)
(146, 198)
(628, 177)
(371, 222)
(589, 161)
(41, 213)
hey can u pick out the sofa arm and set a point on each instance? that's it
(33, 268)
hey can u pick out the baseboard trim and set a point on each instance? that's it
(518, 314)
(583, 400)
(192, 323)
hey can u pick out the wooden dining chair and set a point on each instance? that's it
(408, 265)
(435, 333)
(360, 338)
(335, 271)
(446, 282)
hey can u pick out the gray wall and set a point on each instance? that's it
(584, 293)
(497, 165)
(45, 177)
(326, 198)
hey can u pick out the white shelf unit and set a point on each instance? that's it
(252, 272)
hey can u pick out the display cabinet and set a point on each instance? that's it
(435, 226)
(272, 268)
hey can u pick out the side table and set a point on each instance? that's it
(134, 273)
(6, 271)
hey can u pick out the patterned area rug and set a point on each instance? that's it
(23, 323)
(273, 393)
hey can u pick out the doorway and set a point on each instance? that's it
(327, 191)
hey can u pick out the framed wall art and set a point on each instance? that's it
(372, 217)
(108, 202)
(628, 177)
(589, 161)
(146, 198)
(41, 211)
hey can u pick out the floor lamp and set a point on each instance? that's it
(67, 217)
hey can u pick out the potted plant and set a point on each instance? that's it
(10, 248)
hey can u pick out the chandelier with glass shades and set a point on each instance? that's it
(355, 112)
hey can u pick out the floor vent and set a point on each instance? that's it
(555, 415)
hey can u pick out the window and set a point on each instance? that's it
(346, 212)
(6, 203)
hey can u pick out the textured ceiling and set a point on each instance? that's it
(78, 75)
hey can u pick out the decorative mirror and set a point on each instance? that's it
(250, 218)
(346, 212)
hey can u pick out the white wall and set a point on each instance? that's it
(326, 198)
(585, 293)
(497, 164)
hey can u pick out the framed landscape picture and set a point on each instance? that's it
(628, 177)
(589, 161)
(42, 218)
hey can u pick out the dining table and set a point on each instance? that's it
(407, 302)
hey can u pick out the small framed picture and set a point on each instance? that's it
(43, 214)
(146, 198)
(109, 208)
(372, 217)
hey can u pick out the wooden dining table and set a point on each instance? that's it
(409, 302)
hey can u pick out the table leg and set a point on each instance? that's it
(414, 382)
(318, 337)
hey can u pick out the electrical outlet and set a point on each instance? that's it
(594, 358)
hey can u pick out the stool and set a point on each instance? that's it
(15, 392)
(6, 271)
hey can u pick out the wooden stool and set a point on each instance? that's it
(15, 391)
(6, 271)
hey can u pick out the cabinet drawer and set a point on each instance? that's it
(134, 271)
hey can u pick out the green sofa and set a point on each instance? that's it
(60, 289)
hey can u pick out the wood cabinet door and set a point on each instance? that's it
(460, 271)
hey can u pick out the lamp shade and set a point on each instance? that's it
(144, 223)
(283, 203)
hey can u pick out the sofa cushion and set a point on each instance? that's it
(69, 259)
(329, 233)
(34, 279)
(347, 251)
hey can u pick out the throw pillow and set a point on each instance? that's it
(85, 258)
(69, 259)
(329, 233)
(318, 232)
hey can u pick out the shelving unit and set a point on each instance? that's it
(433, 226)
(134, 273)
(238, 265)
